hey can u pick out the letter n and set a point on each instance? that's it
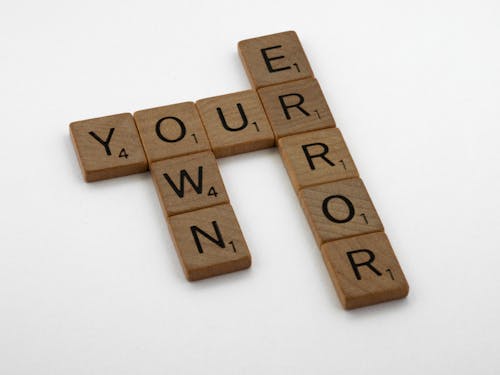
(218, 240)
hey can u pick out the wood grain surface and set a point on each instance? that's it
(296, 107)
(171, 131)
(209, 242)
(188, 183)
(339, 209)
(273, 59)
(235, 123)
(316, 157)
(108, 147)
(364, 270)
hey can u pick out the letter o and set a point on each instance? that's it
(165, 139)
(330, 217)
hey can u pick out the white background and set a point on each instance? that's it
(89, 279)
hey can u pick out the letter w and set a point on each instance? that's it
(179, 190)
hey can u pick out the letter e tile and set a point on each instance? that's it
(273, 59)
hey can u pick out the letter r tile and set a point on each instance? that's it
(316, 157)
(209, 242)
(273, 59)
(108, 147)
(188, 183)
(296, 107)
(364, 270)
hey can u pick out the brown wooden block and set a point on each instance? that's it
(316, 157)
(296, 107)
(339, 209)
(171, 131)
(209, 242)
(273, 59)
(188, 183)
(108, 147)
(364, 270)
(235, 123)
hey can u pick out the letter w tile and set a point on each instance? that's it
(179, 189)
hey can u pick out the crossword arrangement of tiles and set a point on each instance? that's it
(179, 144)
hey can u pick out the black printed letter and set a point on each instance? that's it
(184, 175)
(242, 114)
(106, 142)
(368, 263)
(321, 155)
(219, 241)
(268, 60)
(179, 122)
(297, 105)
(330, 217)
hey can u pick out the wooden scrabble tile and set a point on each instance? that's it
(339, 209)
(209, 242)
(316, 157)
(364, 270)
(296, 107)
(235, 123)
(187, 183)
(108, 147)
(273, 59)
(171, 131)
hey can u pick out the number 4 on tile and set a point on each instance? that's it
(123, 154)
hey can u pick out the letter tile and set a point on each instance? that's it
(108, 147)
(364, 270)
(339, 209)
(316, 157)
(171, 131)
(209, 242)
(296, 107)
(188, 183)
(273, 59)
(235, 123)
